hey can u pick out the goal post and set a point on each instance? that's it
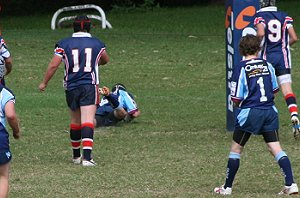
(239, 17)
(102, 17)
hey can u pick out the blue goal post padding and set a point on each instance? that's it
(239, 17)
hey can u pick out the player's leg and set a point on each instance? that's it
(75, 135)
(87, 132)
(240, 138)
(89, 99)
(75, 123)
(4, 180)
(272, 141)
(285, 82)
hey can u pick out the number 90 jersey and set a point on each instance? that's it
(254, 84)
(276, 42)
(81, 54)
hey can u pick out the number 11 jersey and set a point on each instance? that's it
(81, 54)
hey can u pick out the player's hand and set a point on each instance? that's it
(104, 91)
(16, 135)
(42, 86)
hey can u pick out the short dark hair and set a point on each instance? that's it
(249, 45)
(266, 3)
(82, 24)
(118, 86)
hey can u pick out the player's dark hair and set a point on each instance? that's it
(82, 24)
(118, 86)
(249, 45)
(266, 3)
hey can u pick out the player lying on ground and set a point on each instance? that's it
(252, 90)
(118, 105)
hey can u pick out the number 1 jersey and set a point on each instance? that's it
(254, 84)
(81, 54)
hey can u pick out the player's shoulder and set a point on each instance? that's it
(6, 91)
(97, 40)
(251, 63)
(63, 41)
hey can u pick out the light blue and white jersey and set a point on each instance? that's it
(5, 96)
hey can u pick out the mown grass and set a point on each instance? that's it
(173, 60)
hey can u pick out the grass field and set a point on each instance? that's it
(173, 60)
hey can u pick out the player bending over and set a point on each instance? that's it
(252, 89)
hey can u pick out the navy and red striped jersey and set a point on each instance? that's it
(81, 54)
(276, 41)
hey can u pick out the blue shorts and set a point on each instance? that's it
(82, 96)
(257, 121)
(5, 157)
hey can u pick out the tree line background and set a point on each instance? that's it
(29, 7)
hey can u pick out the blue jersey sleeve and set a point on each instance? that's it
(7, 96)
(238, 84)
(127, 102)
(274, 78)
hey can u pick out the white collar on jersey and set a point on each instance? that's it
(268, 9)
(81, 34)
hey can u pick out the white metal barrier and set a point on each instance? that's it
(101, 18)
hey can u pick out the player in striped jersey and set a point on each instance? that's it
(5, 59)
(275, 29)
(81, 54)
(252, 90)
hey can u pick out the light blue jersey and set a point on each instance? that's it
(5, 96)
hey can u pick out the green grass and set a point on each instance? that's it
(173, 60)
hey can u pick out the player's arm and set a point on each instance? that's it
(236, 96)
(275, 85)
(292, 35)
(8, 64)
(52, 67)
(260, 30)
(104, 58)
(12, 118)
